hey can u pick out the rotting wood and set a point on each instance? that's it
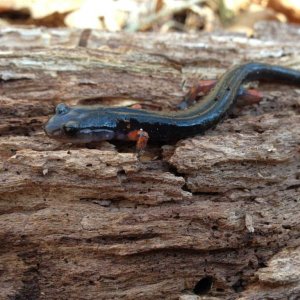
(220, 209)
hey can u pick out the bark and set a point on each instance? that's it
(217, 215)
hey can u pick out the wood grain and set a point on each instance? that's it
(217, 214)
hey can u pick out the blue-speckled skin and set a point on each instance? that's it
(82, 124)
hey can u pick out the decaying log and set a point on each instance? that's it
(215, 215)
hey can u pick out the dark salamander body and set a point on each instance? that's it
(82, 124)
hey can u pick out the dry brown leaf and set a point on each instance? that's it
(290, 8)
(245, 21)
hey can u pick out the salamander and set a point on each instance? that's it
(84, 124)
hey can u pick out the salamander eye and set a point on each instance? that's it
(71, 127)
(61, 109)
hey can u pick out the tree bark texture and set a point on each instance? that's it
(211, 217)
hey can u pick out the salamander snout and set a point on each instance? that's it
(79, 125)
(52, 131)
(54, 126)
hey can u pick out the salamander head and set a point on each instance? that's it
(80, 124)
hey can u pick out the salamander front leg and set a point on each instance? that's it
(141, 137)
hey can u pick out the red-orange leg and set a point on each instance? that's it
(141, 137)
(248, 96)
(136, 106)
(203, 87)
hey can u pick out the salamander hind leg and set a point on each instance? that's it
(203, 87)
(249, 96)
